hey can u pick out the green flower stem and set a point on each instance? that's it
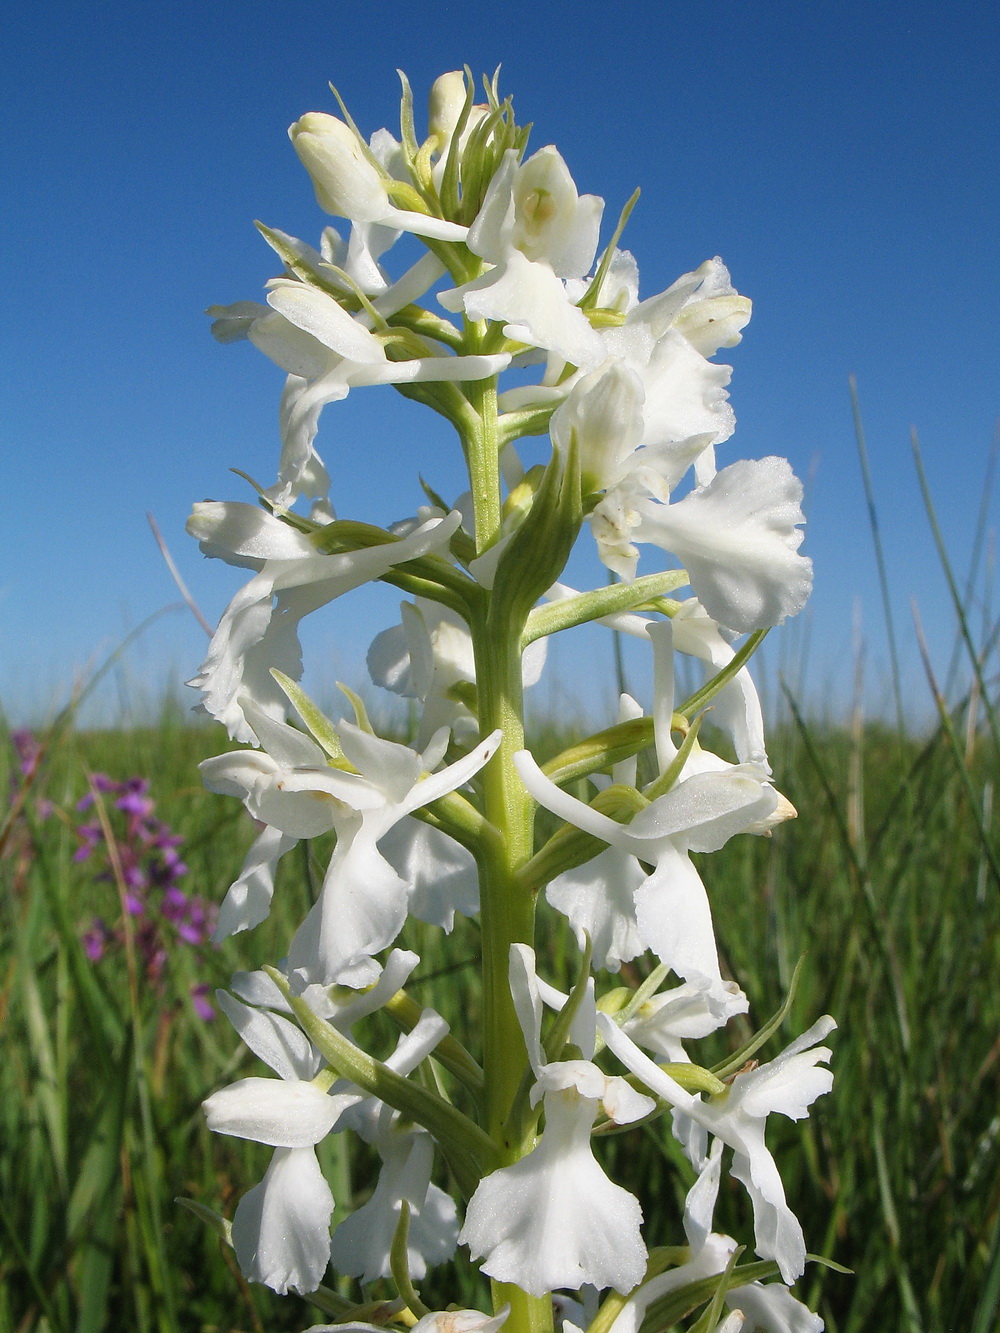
(506, 910)
(482, 452)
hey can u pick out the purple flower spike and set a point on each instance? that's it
(96, 939)
(27, 749)
(175, 903)
(133, 803)
(202, 1008)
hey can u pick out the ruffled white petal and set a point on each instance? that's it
(738, 539)
(281, 1229)
(554, 1219)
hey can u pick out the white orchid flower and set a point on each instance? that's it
(736, 708)
(340, 1007)
(767, 1308)
(281, 1228)
(362, 1243)
(554, 1219)
(257, 777)
(788, 1084)
(301, 471)
(535, 230)
(699, 813)
(611, 898)
(289, 786)
(738, 539)
(348, 184)
(667, 339)
(309, 333)
(684, 1013)
(603, 412)
(440, 874)
(425, 657)
(710, 1253)
(598, 897)
(363, 903)
(259, 628)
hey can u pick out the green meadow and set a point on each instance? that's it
(887, 883)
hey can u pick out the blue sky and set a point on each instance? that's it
(840, 157)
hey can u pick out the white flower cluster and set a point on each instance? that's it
(635, 408)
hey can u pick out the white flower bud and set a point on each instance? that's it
(447, 99)
(347, 184)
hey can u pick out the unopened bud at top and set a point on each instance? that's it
(347, 183)
(447, 99)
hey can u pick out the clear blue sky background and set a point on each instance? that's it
(841, 157)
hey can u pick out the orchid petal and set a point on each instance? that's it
(281, 1229)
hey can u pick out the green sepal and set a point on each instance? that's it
(464, 692)
(358, 704)
(726, 1068)
(613, 1001)
(591, 297)
(536, 554)
(613, 599)
(362, 141)
(527, 421)
(450, 177)
(558, 1035)
(722, 678)
(429, 325)
(425, 576)
(297, 521)
(449, 1051)
(399, 1265)
(661, 785)
(407, 129)
(693, 1078)
(661, 1257)
(664, 1313)
(484, 151)
(621, 1003)
(710, 1316)
(327, 277)
(330, 1302)
(320, 727)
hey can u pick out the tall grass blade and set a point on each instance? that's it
(975, 658)
(883, 578)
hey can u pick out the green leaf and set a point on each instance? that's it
(320, 727)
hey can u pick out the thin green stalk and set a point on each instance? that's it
(506, 910)
(975, 658)
(883, 578)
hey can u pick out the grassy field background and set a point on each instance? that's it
(887, 882)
